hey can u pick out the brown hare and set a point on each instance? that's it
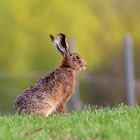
(52, 90)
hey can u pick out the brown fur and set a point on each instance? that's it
(52, 90)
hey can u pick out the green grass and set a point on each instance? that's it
(119, 123)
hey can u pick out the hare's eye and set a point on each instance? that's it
(77, 57)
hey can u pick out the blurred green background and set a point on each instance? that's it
(97, 28)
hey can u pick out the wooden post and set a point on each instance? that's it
(75, 99)
(129, 70)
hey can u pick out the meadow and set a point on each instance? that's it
(118, 123)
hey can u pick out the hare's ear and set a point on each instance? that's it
(57, 44)
(63, 42)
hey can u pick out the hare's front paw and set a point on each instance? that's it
(60, 109)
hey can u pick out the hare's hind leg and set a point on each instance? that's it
(50, 111)
(60, 109)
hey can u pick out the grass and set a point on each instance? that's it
(119, 123)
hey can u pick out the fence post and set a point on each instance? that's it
(129, 70)
(75, 99)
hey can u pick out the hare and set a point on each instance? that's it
(55, 88)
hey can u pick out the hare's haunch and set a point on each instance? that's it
(52, 90)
